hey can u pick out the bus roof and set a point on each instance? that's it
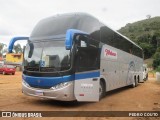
(61, 22)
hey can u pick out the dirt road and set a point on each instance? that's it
(145, 97)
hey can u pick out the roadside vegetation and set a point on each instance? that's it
(146, 33)
(16, 49)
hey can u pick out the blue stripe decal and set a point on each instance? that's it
(52, 81)
(87, 75)
(46, 81)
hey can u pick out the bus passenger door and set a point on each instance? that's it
(87, 74)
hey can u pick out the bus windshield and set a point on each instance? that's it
(50, 56)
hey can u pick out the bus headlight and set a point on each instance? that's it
(61, 85)
(24, 82)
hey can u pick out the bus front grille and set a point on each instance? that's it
(40, 87)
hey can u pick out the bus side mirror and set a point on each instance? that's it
(13, 40)
(69, 37)
(31, 50)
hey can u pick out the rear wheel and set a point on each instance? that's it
(101, 90)
(13, 73)
(147, 77)
(134, 84)
(4, 72)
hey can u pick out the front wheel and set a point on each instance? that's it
(101, 90)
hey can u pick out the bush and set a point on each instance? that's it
(158, 69)
(148, 50)
(156, 63)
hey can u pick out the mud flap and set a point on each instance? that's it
(86, 89)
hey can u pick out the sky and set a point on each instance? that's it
(19, 17)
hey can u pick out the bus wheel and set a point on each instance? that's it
(101, 89)
(134, 84)
(146, 77)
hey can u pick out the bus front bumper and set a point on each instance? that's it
(63, 94)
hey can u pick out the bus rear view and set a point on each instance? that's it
(64, 60)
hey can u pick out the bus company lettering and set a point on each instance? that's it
(110, 54)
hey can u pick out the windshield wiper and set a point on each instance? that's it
(49, 69)
(57, 71)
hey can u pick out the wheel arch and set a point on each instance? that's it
(138, 78)
(104, 83)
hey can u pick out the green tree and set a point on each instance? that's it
(146, 33)
(148, 50)
(148, 16)
(156, 57)
(18, 48)
(2, 49)
(156, 63)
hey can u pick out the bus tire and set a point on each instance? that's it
(138, 78)
(134, 84)
(146, 77)
(101, 89)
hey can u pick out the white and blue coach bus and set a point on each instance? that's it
(76, 57)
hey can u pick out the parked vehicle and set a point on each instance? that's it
(81, 63)
(145, 72)
(7, 69)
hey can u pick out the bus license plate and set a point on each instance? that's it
(39, 93)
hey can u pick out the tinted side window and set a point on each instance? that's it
(117, 41)
(107, 35)
(137, 52)
(87, 59)
(123, 44)
(113, 39)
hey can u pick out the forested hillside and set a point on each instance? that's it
(145, 33)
